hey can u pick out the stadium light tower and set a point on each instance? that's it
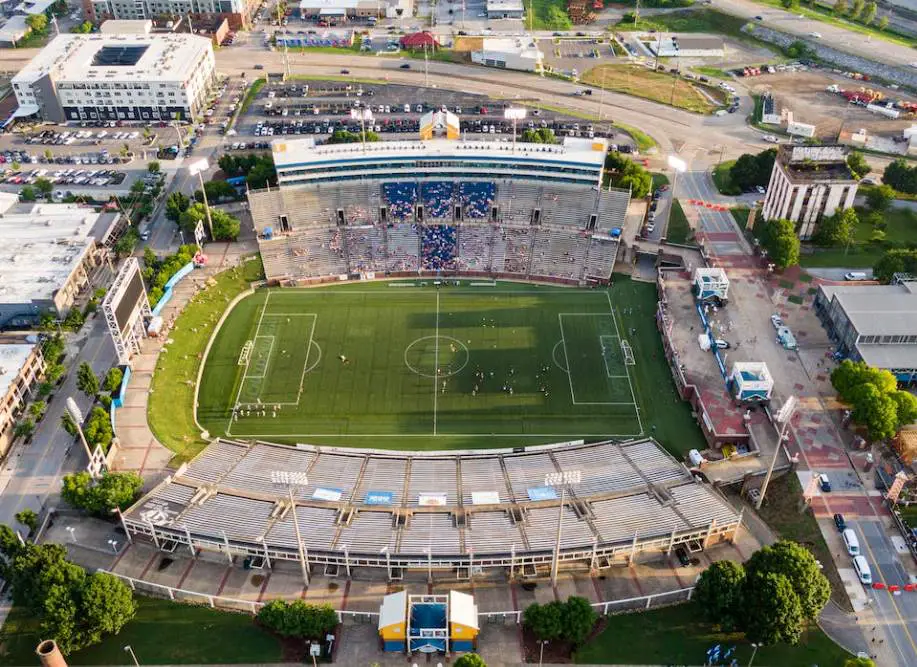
(563, 480)
(294, 480)
(514, 114)
(76, 415)
(362, 115)
(199, 168)
(783, 417)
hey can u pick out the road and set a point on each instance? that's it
(834, 36)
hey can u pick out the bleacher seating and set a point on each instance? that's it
(400, 198)
(626, 489)
(437, 198)
(600, 257)
(438, 243)
(366, 248)
(518, 247)
(474, 247)
(559, 253)
(477, 198)
(403, 246)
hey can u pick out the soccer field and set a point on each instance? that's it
(395, 365)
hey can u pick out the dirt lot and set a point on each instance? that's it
(658, 86)
(804, 93)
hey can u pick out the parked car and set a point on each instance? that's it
(682, 556)
(776, 321)
(840, 523)
(824, 483)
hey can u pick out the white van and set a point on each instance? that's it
(862, 569)
(851, 542)
(855, 275)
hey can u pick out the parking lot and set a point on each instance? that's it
(320, 108)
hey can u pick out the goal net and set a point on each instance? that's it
(628, 353)
(246, 352)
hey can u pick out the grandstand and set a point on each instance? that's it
(487, 506)
(536, 211)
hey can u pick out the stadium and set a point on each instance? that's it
(442, 305)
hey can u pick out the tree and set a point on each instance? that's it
(901, 176)
(98, 429)
(545, 621)
(894, 261)
(858, 164)
(779, 238)
(880, 197)
(153, 167)
(225, 226)
(128, 241)
(298, 619)
(876, 411)
(543, 135)
(857, 8)
(557, 19)
(470, 660)
(114, 489)
(37, 409)
(67, 423)
(578, 618)
(841, 7)
(347, 137)
(28, 518)
(859, 662)
(626, 174)
(37, 23)
(216, 191)
(789, 4)
(800, 568)
(113, 379)
(106, 605)
(83, 28)
(176, 204)
(24, 428)
(906, 407)
(27, 193)
(718, 591)
(751, 171)
(86, 380)
(837, 230)
(772, 610)
(44, 186)
(883, 23)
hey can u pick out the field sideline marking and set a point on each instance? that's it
(629, 382)
(232, 409)
(436, 363)
(563, 340)
(560, 317)
(439, 435)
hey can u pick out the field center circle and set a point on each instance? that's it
(424, 354)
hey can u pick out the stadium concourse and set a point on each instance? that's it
(459, 512)
(478, 208)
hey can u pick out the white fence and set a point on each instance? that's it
(626, 605)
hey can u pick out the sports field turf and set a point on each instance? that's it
(421, 367)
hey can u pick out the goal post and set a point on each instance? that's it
(628, 353)
(246, 352)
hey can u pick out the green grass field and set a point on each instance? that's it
(420, 367)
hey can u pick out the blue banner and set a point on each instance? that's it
(542, 493)
(379, 498)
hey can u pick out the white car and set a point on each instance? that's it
(816, 35)
(760, 190)
(776, 321)
(770, 138)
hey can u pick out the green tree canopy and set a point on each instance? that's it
(874, 396)
(837, 229)
(98, 428)
(225, 226)
(114, 489)
(542, 135)
(28, 518)
(799, 566)
(545, 621)
(298, 619)
(900, 175)
(578, 618)
(772, 608)
(470, 660)
(718, 591)
(113, 379)
(869, 13)
(37, 22)
(27, 193)
(626, 174)
(347, 137)
(858, 164)
(779, 238)
(880, 197)
(751, 171)
(176, 204)
(86, 380)
(44, 186)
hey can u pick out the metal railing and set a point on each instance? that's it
(624, 606)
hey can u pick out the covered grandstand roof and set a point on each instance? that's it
(628, 489)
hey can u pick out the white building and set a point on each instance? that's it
(807, 183)
(118, 77)
(13, 30)
(751, 381)
(510, 53)
(505, 9)
(678, 46)
(576, 161)
(21, 367)
(711, 284)
(341, 10)
(238, 12)
(126, 27)
(48, 255)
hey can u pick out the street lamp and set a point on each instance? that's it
(561, 479)
(753, 652)
(71, 531)
(114, 545)
(77, 416)
(362, 115)
(199, 168)
(514, 114)
(133, 655)
(541, 643)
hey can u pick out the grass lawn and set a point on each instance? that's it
(824, 14)
(389, 340)
(691, 20)
(711, 71)
(722, 179)
(639, 81)
(170, 408)
(678, 635)
(679, 230)
(740, 215)
(781, 512)
(659, 179)
(251, 94)
(163, 632)
(543, 20)
(901, 227)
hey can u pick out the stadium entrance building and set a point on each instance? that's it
(439, 205)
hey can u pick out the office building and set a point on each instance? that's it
(21, 367)
(238, 12)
